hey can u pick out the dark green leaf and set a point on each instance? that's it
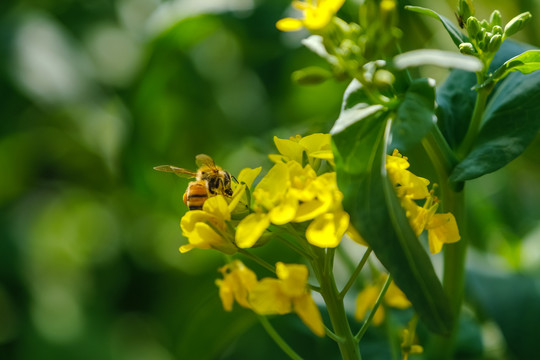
(526, 63)
(456, 97)
(415, 114)
(457, 36)
(377, 214)
(510, 122)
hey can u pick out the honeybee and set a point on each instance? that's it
(210, 180)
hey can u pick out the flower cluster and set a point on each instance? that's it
(270, 296)
(289, 193)
(442, 228)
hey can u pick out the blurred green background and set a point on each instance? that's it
(93, 94)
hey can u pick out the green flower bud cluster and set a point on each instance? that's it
(486, 36)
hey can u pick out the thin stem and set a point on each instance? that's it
(476, 121)
(355, 274)
(295, 248)
(278, 339)
(331, 335)
(366, 324)
(258, 260)
(322, 267)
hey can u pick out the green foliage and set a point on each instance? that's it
(369, 198)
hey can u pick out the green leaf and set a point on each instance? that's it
(355, 107)
(440, 58)
(526, 63)
(510, 123)
(456, 97)
(415, 114)
(369, 198)
(457, 36)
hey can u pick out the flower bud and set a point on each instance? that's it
(485, 25)
(473, 27)
(465, 9)
(497, 30)
(467, 48)
(495, 18)
(311, 75)
(517, 23)
(383, 79)
(494, 43)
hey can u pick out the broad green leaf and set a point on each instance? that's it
(456, 97)
(415, 115)
(526, 63)
(510, 123)
(457, 36)
(440, 58)
(360, 152)
(354, 108)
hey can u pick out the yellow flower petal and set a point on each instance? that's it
(294, 278)
(289, 24)
(284, 212)
(442, 229)
(327, 230)
(290, 149)
(355, 235)
(250, 229)
(267, 298)
(309, 313)
(248, 175)
(225, 294)
(217, 206)
(365, 301)
(310, 209)
(395, 298)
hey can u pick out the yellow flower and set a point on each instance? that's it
(367, 298)
(237, 281)
(315, 147)
(442, 228)
(207, 228)
(317, 14)
(286, 294)
(406, 183)
(292, 193)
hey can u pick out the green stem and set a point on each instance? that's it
(476, 121)
(355, 274)
(366, 324)
(348, 346)
(454, 254)
(278, 339)
(258, 260)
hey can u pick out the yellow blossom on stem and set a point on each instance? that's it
(270, 296)
(317, 14)
(286, 294)
(314, 147)
(367, 298)
(207, 228)
(292, 193)
(237, 281)
(442, 228)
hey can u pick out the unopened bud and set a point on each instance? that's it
(473, 27)
(517, 23)
(495, 18)
(467, 48)
(465, 9)
(497, 30)
(383, 79)
(311, 75)
(494, 43)
(485, 24)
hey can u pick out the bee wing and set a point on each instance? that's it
(204, 160)
(176, 170)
